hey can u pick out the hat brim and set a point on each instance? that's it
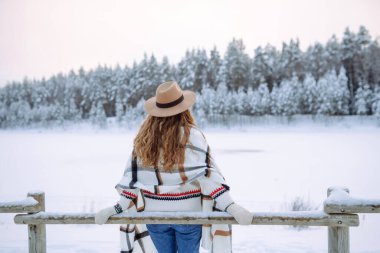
(151, 107)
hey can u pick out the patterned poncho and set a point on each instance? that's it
(138, 184)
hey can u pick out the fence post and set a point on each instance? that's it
(338, 237)
(37, 233)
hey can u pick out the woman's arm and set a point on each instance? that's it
(220, 193)
(126, 196)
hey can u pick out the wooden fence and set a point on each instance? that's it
(340, 213)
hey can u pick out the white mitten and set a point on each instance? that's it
(102, 216)
(241, 215)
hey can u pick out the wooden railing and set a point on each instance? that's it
(34, 203)
(340, 213)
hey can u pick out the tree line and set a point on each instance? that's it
(340, 77)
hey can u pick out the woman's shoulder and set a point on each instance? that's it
(197, 137)
(196, 132)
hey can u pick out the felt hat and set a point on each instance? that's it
(169, 100)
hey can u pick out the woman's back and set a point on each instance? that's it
(181, 188)
(171, 168)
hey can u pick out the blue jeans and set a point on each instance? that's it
(168, 238)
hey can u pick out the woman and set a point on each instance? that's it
(171, 169)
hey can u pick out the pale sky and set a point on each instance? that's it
(43, 37)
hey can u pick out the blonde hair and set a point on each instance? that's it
(163, 134)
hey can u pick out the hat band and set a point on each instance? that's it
(171, 104)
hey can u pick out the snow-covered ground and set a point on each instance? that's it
(265, 167)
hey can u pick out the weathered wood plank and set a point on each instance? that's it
(348, 208)
(27, 205)
(310, 218)
(338, 240)
(37, 232)
(338, 237)
(339, 201)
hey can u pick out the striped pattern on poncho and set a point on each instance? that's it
(196, 185)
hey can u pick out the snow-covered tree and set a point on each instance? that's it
(333, 54)
(317, 61)
(260, 100)
(376, 102)
(363, 99)
(201, 69)
(371, 64)
(266, 66)
(185, 71)
(286, 99)
(240, 100)
(165, 70)
(342, 96)
(134, 116)
(223, 100)
(353, 47)
(292, 60)
(238, 65)
(309, 95)
(72, 111)
(213, 67)
(119, 110)
(274, 97)
(98, 116)
(207, 101)
(333, 94)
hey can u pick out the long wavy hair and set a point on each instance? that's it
(160, 139)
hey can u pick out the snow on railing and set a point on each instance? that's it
(339, 201)
(36, 233)
(26, 205)
(338, 215)
(309, 218)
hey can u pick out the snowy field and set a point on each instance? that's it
(265, 167)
